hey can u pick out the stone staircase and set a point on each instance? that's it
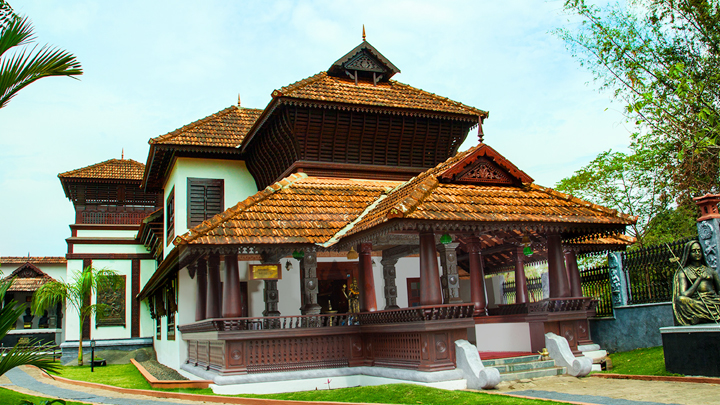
(594, 352)
(524, 367)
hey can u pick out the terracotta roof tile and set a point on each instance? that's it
(123, 169)
(27, 278)
(33, 259)
(322, 87)
(226, 128)
(297, 209)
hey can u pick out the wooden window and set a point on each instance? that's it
(413, 289)
(171, 326)
(170, 213)
(158, 328)
(205, 199)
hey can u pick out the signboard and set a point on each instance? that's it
(265, 272)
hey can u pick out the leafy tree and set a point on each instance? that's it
(32, 354)
(77, 294)
(26, 65)
(662, 58)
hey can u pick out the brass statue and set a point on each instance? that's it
(353, 297)
(695, 288)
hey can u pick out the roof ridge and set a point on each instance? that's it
(69, 172)
(349, 226)
(418, 194)
(186, 127)
(208, 225)
(299, 84)
(441, 98)
(587, 204)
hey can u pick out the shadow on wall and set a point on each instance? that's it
(633, 327)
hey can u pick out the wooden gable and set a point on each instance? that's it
(487, 167)
(364, 62)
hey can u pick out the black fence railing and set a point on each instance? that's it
(649, 272)
(595, 283)
(534, 286)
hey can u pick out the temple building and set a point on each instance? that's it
(339, 228)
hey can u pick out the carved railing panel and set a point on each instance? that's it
(417, 314)
(562, 305)
(302, 353)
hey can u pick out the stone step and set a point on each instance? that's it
(518, 367)
(509, 360)
(542, 372)
(595, 355)
(588, 348)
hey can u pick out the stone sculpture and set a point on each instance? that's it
(695, 288)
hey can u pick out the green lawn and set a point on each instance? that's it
(10, 397)
(650, 361)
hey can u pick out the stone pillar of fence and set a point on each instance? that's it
(618, 284)
(708, 226)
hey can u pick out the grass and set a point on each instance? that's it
(650, 361)
(11, 397)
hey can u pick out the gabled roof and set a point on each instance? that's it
(297, 209)
(33, 259)
(28, 278)
(363, 50)
(115, 169)
(393, 94)
(226, 128)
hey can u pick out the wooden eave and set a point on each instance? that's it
(67, 181)
(167, 268)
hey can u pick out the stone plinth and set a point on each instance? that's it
(692, 350)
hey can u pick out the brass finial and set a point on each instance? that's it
(363, 32)
(122, 154)
(238, 99)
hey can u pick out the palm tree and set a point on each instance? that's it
(26, 65)
(36, 355)
(76, 294)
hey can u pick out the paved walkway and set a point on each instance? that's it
(587, 390)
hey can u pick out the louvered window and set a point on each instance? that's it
(205, 199)
(170, 211)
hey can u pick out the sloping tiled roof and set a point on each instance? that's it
(33, 259)
(297, 209)
(27, 278)
(226, 128)
(122, 169)
(322, 87)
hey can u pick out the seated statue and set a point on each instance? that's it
(695, 288)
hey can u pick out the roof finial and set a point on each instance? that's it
(363, 32)
(122, 154)
(238, 99)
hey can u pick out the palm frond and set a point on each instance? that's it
(49, 295)
(9, 315)
(34, 355)
(15, 32)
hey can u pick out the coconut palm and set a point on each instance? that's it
(36, 355)
(76, 294)
(26, 65)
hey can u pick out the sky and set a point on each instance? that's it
(154, 66)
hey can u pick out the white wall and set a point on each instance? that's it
(238, 185)
(123, 268)
(173, 353)
(105, 233)
(110, 248)
(147, 324)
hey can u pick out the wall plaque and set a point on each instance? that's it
(265, 272)
(111, 294)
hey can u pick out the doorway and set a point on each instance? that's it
(333, 278)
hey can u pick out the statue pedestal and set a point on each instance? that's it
(692, 350)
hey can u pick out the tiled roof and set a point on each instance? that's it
(226, 128)
(297, 209)
(33, 259)
(123, 169)
(27, 278)
(322, 87)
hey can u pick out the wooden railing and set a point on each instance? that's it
(417, 314)
(267, 322)
(562, 305)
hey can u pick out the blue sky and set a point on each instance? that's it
(151, 67)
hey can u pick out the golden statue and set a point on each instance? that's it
(695, 288)
(353, 297)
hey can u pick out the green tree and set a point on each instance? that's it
(77, 295)
(662, 58)
(27, 64)
(36, 355)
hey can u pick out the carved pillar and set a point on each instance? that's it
(450, 280)
(477, 277)
(430, 291)
(231, 305)
(573, 274)
(367, 279)
(521, 291)
(308, 266)
(388, 264)
(708, 226)
(618, 286)
(270, 292)
(559, 285)
(200, 289)
(213, 287)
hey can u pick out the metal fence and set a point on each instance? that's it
(534, 286)
(649, 272)
(595, 283)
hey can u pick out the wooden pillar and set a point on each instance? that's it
(450, 280)
(308, 265)
(212, 309)
(521, 291)
(388, 264)
(557, 276)
(477, 277)
(367, 279)
(200, 290)
(270, 292)
(231, 305)
(430, 290)
(573, 273)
